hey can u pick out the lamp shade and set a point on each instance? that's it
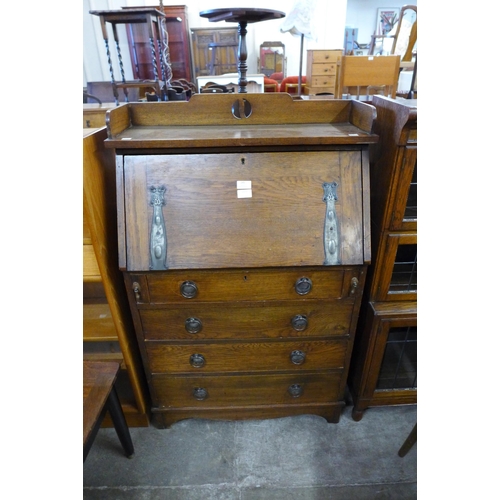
(298, 21)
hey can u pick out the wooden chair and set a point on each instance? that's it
(405, 37)
(368, 75)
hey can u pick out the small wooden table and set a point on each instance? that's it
(152, 17)
(242, 16)
(100, 396)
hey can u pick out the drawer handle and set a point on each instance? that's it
(295, 390)
(197, 360)
(200, 393)
(299, 322)
(137, 291)
(189, 290)
(303, 286)
(193, 325)
(297, 357)
(354, 286)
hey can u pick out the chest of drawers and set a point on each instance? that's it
(244, 241)
(322, 71)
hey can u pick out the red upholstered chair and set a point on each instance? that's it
(277, 76)
(290, 84)
(271, 85)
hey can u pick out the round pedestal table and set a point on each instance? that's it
(242, 16)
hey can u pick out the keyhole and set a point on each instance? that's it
(243, 161)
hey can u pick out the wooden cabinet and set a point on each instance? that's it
(179, 45)
(94, 115)
(322, 71)
(244, 242)
(384, 365)
(108, 331)
(215, 51)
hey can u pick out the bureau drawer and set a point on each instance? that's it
(253, 320)
(323, 69)
(240, 390)
(245, 356)
(318, 56)
(323, 81)
(244, 285)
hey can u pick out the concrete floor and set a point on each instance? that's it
(299, 458)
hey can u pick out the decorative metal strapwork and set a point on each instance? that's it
(331, 233)
(158, 238)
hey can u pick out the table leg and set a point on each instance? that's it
(410, 441)
(115, 410)
(242, 57)
(93, 434)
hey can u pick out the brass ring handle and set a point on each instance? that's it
(299, 322)
(297, 357)
(295, 390)
(200, 393)
(303, 286)
(197, 360)
(189, 289)
(193, 325)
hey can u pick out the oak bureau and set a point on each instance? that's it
(244, 240)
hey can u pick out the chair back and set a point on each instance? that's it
(290, 84)
(368, 75)
(271, 85)
(405, 38)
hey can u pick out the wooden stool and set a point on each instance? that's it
(100, 396)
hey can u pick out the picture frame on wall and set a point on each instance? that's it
(387, 19)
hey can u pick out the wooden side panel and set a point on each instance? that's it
(118, 119)
(365, 173)
(99, 198)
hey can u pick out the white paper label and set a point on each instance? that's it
(243, 184)
(244, 193)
